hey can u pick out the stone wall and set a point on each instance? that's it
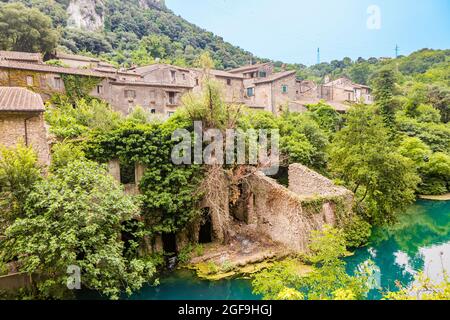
(149, 97)
(280, 99)
(16, 281)
(28, 128)
(289, 215)
(306, 182)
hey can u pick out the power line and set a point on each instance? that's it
(396, 51)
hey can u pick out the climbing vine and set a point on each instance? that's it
(78, 87)
(168, 191)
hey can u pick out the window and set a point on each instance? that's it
(197, 82)
(184, 76)
(58, 83)
(99, 89)
(152, 111)
(228, 82)
(30, 81)
(250, 92)
(173, 75)
(170, 113)
(130, 94)
(284, 88)
(127, 173)
(172, 97)
(262, 74)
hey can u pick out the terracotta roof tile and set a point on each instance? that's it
(52, 69)
(62, 55)
(16, 55)
(20, 99)
(248, 67)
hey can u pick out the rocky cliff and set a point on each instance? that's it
(90, 14)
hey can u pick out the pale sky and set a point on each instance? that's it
(292, 30)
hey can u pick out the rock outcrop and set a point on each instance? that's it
(86, 14)
(90, 14)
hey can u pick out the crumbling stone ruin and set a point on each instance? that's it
(266, 211)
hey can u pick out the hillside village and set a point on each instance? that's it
(88, 176)
(158, 88)
(27, 82)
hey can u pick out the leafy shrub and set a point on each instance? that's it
(357, 232)
(19, 172)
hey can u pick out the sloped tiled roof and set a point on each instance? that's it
(49, 68)
(248, 67)
(24, 56)
(276, 76)
(20, 99)
(144, 69)
(221, 73)
(62, 55)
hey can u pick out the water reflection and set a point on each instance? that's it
(420, 241)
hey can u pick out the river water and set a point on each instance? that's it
(420, 241)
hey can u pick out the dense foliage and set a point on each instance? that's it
(24, 29)
(18, 174)
(327, 280)
(168, 191)
(363, 156)
(138, 32)
(75, 217)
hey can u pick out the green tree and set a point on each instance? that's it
(19, 172)
(363, 156)
(75, 218)
(68, 121)
(436, 172)
(383, 91)
(302, 140)
(24, 29)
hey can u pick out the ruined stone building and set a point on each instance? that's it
(281, 215)
(22, 120)
(285, 215)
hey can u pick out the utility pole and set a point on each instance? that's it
(318, 55)
(396, 51)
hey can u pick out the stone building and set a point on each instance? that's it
(270, 93)
(259, 70)
(22, 120)
(77, 61)
(156, 88)
(339, 93)
(46, 79)
(343, 89)
(232, 83)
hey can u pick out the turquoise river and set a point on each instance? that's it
(420, 241)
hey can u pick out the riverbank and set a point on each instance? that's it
(444, 197)
(420, 241)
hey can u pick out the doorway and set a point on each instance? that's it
(169, 241)
(205, 233)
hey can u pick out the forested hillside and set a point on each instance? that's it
(130, 31)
